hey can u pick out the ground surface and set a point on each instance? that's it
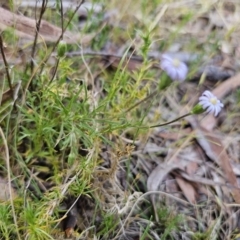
(78, 157)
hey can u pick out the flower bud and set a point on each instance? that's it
(165, 82)
(61, 49)
(197, 109)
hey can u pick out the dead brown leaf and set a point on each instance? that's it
(187, 188)
(202, 180)
(191, 168)
(215, 150)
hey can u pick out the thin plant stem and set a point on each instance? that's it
(61, 36)
(55, 70)
(43, 8)
(167, 123)
(43, 62)
(6, 66)
(143, 100)
(58, 59)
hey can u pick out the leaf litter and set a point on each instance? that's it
(187, 166)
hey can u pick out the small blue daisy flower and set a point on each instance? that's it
(210, 103)
(174, 68)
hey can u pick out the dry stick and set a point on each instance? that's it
(43, 8)
(62, 16)
(9, 180)
(42, 64)
(6, 66)
(101, 54)
(58, 59)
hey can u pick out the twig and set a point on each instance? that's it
(9, 180)
(55, 70)
(43, 8)
(62, 16)
(6, 66)
(58, 59)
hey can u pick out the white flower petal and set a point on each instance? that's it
(208, 94)
(175, 71)
(217, 110)
(181, 75)
(165, 65)
(184, 71)
(170, 72)
(202, 98)
(210, 103)
(205, 105)
(173, 74)
(166, 57)
(210, 109)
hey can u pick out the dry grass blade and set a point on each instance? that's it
(10, 194)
